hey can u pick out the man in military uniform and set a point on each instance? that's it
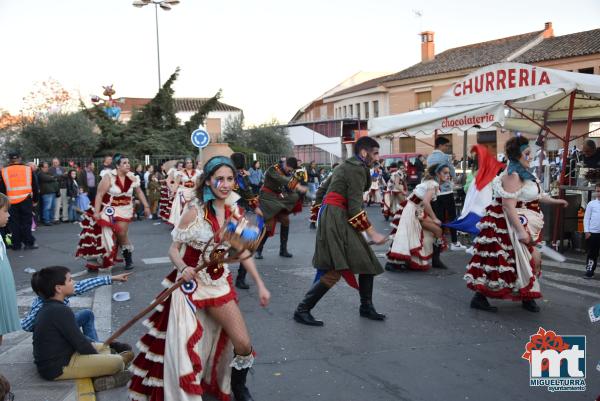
(248, 200)
(341, 249)
(278, 198)
(18, 183)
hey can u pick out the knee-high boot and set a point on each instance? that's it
(240, 280)
(239, 371)
(284, 235)
(302, 314)
(259, 250)
(436, 262)
(128, 256)
(365, 288)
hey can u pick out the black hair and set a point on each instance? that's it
(239, 160)
(512, 148)
(254, 163)
(367, 143)
(441, 140)
(393, 165)
(292, 162)
(117, 158)
(45, 281)
(590, 144)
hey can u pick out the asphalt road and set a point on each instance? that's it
(431, 347)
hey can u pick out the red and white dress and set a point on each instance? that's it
(98, 240)
(502, 267)
(166, 196)
(185, 352)
(412, 245)
(392, 197)
(184, 194)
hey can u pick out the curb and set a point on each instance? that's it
(85, 390)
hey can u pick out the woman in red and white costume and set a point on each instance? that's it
(506, 264)
(184, 189)
(417, 230)
(396, 190)
(196, 331)
(105, 225)
(167, 204)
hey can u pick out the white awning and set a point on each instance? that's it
(301, 135)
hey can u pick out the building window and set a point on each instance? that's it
(351, 111)
(358, 110)
(423, 99)
(375, 108)
(366, 108)
(589, 70)
(345, 109)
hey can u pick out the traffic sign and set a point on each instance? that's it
(200, 138)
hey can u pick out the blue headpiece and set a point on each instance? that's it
(209, 168)
(516, 166)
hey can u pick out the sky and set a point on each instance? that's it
(270, 57)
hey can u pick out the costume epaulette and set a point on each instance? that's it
(360, 222)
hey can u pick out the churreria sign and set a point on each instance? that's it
(500, 80)
(467, 120)
(547, 353)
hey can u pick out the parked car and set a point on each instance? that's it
(409, 162)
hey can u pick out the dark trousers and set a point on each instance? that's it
(593, 246)
(92, 194)
(19, 223)
(445, 210)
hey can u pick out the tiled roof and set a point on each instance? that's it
(572, 45)
(181, 104)
(466, 57)
(459, 58)
(372, 83)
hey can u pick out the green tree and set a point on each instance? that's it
(233, 131)
(269, 138)
(59, 135)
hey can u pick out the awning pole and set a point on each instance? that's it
(561, 181)
(464, 163)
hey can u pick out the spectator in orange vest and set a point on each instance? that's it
(18, 184)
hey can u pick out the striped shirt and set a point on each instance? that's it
(81, 287)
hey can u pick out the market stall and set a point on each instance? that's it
(512, 96)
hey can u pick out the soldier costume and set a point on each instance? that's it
(341, 249)
(278, 198)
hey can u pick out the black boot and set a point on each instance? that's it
(302, 314)
(436, 262)
(240, 281)
(128, 256)
(283, 236)
(313, 225)
(530, 305)
(365, 288)
(395, 267)
(260, 247)
(480, 302)
(590, 267)
(238, 384)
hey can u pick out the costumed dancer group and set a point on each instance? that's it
(197, 340)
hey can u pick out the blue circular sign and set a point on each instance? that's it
(200, 138)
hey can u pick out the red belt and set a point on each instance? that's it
(189, 184)
(414, 199)
(335, 199)
(269, 190)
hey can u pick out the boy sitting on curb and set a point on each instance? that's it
(85, 317)
(60, 350)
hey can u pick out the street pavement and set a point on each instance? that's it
(431, 347)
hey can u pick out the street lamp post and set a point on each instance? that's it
(165, 5)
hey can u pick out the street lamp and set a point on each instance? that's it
(165, 5)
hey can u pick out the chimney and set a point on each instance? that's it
(548, 30)
(427, 46)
